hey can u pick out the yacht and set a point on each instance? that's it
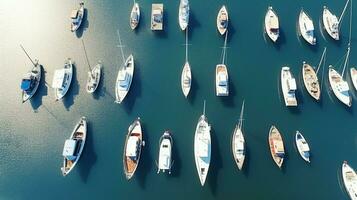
(184, 14)
(288, 86)
(165, 153)
(306, 27)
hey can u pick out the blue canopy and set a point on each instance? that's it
(25, 84)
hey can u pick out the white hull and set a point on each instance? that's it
(94, 78)
(306, 28)
(272, 24)
(238, 147)
(353, 73)
(134, 16)
(302, 146)
(222, 20)
(76, 23)
(287, 85)
(349, 180)
(165, 153)
(122, 87)
(60, 92)
(186, 78)
(339, 87)
(311, 81)
(37, 73)
(222, 80)
(331, 23)
(184, 14)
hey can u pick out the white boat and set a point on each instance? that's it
(302, 146)
(132, 149)
(353, 73)
(186, 75)
(288, 86)
(331, 23)
(94, 78)
(306, 27)
(73, 146)
(62, 79)
(77, 17)
(349, 177)
(157, 17)
(238, 142)
(222, 80)
(272, 24)
(202, 147)
(222, 20)
(134, 16)
(339, 86)
(165, 153)
(184, 14)
(31, 80)
(276, 146)
(311, 81)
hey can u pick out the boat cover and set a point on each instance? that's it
(274, 23)
(25, 84)
(309, 25)
(69, 148)
(58, 78)
(131, 147)
(239, 146)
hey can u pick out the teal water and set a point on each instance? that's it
(32, 134)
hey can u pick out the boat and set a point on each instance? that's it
(311, 81)
(238, 142)
(165, 153)
(306, 27)
(184, 14)
(302, 146)
(349, 177)
(272, 24)
(186, 76)
(202, 147)
(331, 23)
(276, 146)
(353, 73)
(77, 17)
(222, 20)
(157, 17)
(288, 85)
(62, 79)
(125, 76)
(134, 16)
(31, 80)
(132, 148)
(94, 78)
(222, 81)
(73, 147)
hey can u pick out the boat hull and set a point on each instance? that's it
(222, 25)
(289, 95)
(306, 28)
(349, 180)
(272, 24)
(94, 79)
(311, 82)
(165, 153)
(186, 78)
(122, 91)
(222, 90)
(134, 16)
(331, 24)
(300, 142)
(37, 73)
(353, 74)
(75, 26)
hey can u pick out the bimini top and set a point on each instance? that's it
(69, 148)
(131, 148)
(25, 84)
(58, 78)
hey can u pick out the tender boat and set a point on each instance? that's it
(134, 16)
(184, 14)
(77, 17)
(73, 147)
(186, 79)
(353, 73)
(331, 23)
(302, 146)
(202, 147)
(157, 17)
(311, 81)
(62, 79)
(124, 79)
(238, 142)
(222, 20)
(339, 86)
(288, 85)
(349, 180)
(222, 88)
(94, 78)
(272, 24)
(132, 149)
(31, 80)
(165, 153)
(276, 146)
(306, 27)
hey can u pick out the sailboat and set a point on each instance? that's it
(134, 16)
(332, 23)
(77, 17)
(62, 79)
(288, 86)
(311, 81)
(302, 146)
(93, 74)
(222, 20)
(353, 73)
(31, 80)
(73, 146)
(272, 24)
(276, 146)
(306, 27)
(202, 147)
(222, 81)
(238, 142)
(186, 76)
(349, 177)
(125, 76)
(165, 153)
(184, 14)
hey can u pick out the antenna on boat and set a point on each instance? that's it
(204, 107)
(186, 44)
(224, 47)
(121, 47)
(85, 53)
(322, 59)
(343, 13)
(27, 54)
(241, 116)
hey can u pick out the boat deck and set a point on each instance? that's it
(130, 165)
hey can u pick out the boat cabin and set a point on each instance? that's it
(274, 25)
(59, 79)
(239, 146)
(70, 149)
(132, 148)
(291, 84)
(278, 148)
(203, 148)
(222, 79)
(124, 79)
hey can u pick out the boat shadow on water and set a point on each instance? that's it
(229, 100)
(281, 41)
(84, 26)
(245, 168)
(194, 88)
(216, 163)
(36, 100)
(176, 159)
(88, 157)
(135, 89)
(101, 90)
(145, 163)
(194, 23)
(68, 99)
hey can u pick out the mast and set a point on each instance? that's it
(224, 47)
(121, 48)
(346, 60)
(350, 33)
(186, 59)
(240, 123)
(27, 55)
(85, 53)
(343, 13)
(322, 59)
(204, 107)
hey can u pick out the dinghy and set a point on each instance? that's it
(77, 17)
(186, 75)
(73, 147)
(288, 85)
(94, 78)
(238, 142)
(62, 79)
(306, 28)
(222, 20)
(349, 180)
(134, 16)
(202, 147)
(272, 24)
(165, 153)
(184, 14)
(331, 23)
(311, 81)
(353, 73)
(31, 80)
(222, 81)
(302, 146)
(132, 149)
(276, 146)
